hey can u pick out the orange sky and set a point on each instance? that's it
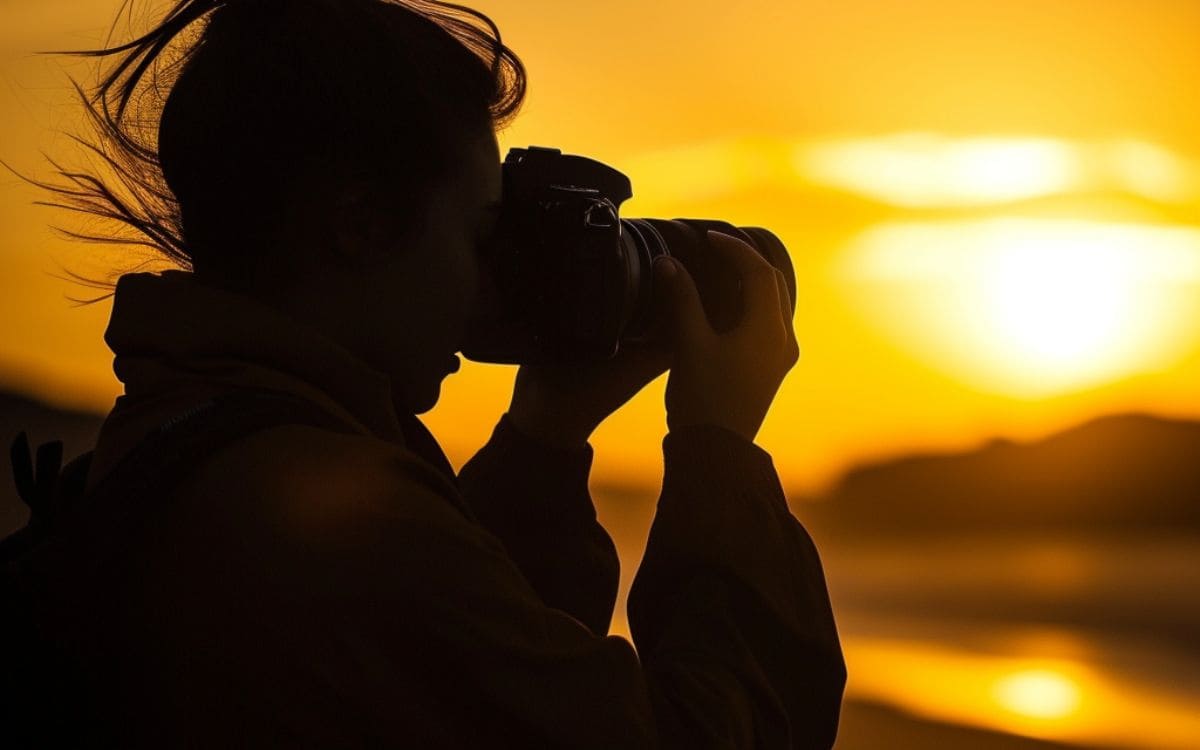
(911, 155)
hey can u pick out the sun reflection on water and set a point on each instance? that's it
(1038, 693)
(1048, 698)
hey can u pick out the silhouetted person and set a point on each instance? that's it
(329, 171)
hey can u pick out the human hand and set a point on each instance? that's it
(728, 379)
(561, 404)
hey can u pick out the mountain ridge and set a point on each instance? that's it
(1113, 472)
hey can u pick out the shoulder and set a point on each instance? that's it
(322, 487)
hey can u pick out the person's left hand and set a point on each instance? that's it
(562, 404)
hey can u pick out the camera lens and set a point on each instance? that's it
(577, 283)
(717, 282)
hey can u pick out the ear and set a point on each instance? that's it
(357, 232)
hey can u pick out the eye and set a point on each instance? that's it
(485, 237)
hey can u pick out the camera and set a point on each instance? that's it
(570, 280)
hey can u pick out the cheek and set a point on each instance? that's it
(467, 276)
(456, 289)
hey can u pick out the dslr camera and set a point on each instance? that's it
(570, 280)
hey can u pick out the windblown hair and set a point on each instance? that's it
(270, 106)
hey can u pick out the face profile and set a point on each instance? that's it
(419, 298)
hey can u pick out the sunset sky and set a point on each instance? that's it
(991, 207)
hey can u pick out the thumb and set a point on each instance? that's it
(683, 312)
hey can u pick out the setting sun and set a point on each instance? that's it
(1031, 307)
(1059, 303)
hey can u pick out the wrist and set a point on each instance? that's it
(743, 431)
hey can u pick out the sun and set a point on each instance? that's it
(1057, 302)
(1032, 307)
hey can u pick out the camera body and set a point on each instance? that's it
(555, 261)
(567, 279)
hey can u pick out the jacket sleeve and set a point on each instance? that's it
(729, 607)
(534, 498)
(736, 644)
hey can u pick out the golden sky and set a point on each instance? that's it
(991, 206)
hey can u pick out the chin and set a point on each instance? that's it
(425, 404)
(418, 400)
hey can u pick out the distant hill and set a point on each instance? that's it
(1113, 473)
(43, 423)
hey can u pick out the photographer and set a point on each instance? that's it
(327, 174)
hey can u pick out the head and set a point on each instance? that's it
(399, 294)
(336, 159)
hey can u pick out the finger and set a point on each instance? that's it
(787, 311)
(739, 252)
(687, 323)
(759, 290)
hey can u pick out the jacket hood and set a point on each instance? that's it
(177, 342)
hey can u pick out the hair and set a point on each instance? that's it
(272, 106)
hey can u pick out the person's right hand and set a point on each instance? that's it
(727, 379)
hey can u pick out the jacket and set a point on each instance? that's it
(311, 588)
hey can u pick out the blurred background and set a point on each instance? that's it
(993, 432)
